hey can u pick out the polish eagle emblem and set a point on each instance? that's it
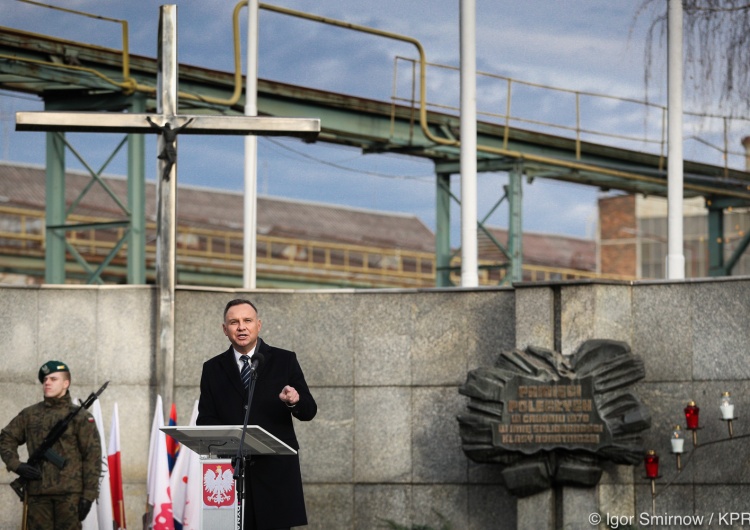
(218, 486)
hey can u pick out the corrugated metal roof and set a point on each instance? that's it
(543, 249)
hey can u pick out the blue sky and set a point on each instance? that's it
(585, 45)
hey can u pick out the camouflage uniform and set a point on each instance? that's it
(53, 500)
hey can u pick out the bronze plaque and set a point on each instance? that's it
(547, 415)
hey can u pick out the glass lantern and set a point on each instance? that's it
(678, 440)
(651, 461)
(727, 406)
(691, 415)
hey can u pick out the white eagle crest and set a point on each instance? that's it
(218, 484)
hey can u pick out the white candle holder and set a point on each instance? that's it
(727, 411)
(678, 445)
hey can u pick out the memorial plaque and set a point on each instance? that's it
(551, 419)
(550, 415)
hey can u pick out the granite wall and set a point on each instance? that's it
(385, 366)
(694, 337)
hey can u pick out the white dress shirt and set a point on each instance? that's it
(238, 354)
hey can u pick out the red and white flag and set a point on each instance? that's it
(173, 446)
(186, 485)
(100, 518)
(157, 480)
(115, 472)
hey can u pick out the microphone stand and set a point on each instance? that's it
(240, 461)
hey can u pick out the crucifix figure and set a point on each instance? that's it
(171, 124)
(169, 152)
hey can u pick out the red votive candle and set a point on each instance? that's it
(691, 415)
(652, 464)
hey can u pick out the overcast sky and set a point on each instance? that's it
(585, 45)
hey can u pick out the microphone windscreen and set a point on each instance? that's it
(260, 358)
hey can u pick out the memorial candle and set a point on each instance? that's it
(727, 407)
(691, 415)
(678, 442)
(652, 464)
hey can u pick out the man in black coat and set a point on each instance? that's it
(273, 484)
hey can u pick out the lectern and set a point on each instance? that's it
(216, 445)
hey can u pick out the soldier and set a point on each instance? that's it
(57, 497)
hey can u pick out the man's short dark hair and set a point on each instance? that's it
(238, 301)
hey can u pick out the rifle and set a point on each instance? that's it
(45, 451)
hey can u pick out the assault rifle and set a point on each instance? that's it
(45, 451)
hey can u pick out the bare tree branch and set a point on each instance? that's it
(716, 51)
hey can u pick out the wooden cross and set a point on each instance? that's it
(167, 124)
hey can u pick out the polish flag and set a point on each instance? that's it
(186, 485)
(115, 472)
(100, 516)
(157, 480)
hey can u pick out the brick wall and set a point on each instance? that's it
(618, 239)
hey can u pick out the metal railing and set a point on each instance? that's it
(718, 135)
(219, 252)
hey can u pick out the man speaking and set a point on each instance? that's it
(273, 484)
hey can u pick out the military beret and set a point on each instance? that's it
(51, 367)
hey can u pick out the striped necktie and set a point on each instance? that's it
(245, 372)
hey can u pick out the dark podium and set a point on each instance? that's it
(216, 445)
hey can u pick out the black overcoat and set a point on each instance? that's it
(275, 482)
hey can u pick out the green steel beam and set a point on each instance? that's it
(95, 178)
(137, 200)
(443, 256)
(373, 126)
(91, 275)
(515, 224)
(484, 165)
(34, 64)
(57, 213)
(737, 254)
(715, 243)
(442, 230)
(54, 250)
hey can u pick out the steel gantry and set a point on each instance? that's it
(115, 80)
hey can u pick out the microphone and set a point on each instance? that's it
(257, 361)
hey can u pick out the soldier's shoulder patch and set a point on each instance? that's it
(90, 419)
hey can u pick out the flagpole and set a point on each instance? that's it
(250, 218)
(468, 150)
(675, 262)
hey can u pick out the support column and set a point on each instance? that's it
(675, 264)
(515, 224)
(716, 265)
(137, 201)
(54, 240)
(443, 230)
(468, 162)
